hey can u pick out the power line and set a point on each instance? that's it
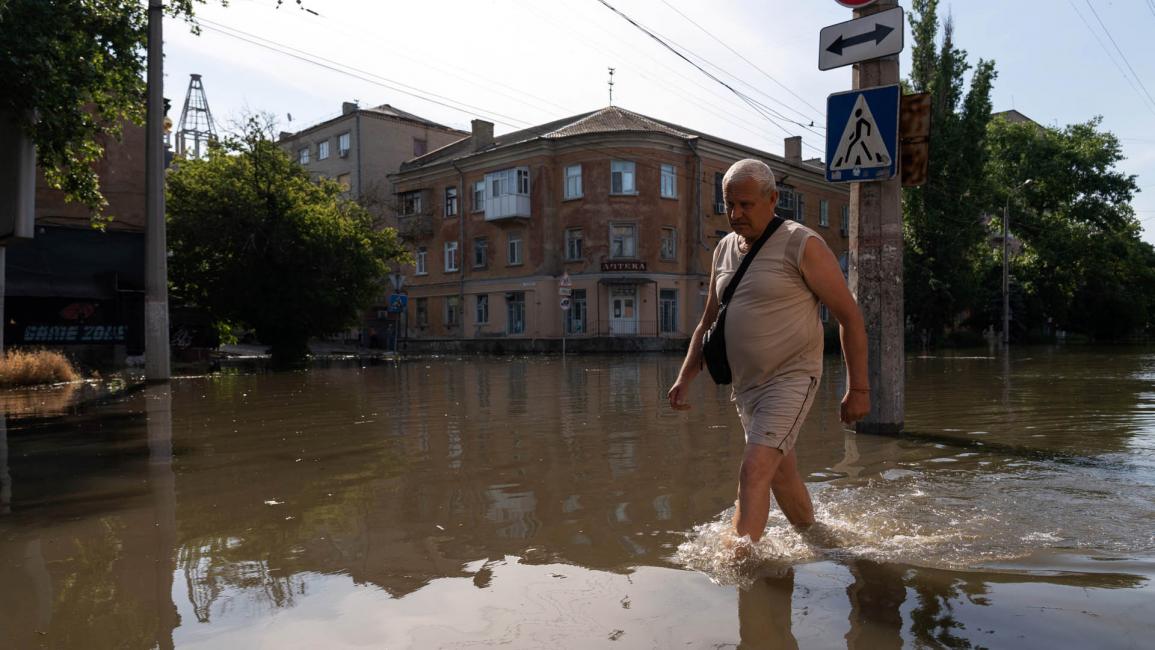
(356, 73)
(666, 45)
(748, 61)
(1150, 106)
(1120, 51)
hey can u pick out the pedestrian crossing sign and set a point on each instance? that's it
(862, 134)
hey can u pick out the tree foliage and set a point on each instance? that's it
(256, 242)
(943, 231)
(74, 72)
(1083, 266)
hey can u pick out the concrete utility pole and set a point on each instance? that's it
(156, 345)
(876, 266)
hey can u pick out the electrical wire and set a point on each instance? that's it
(1120, 51)
(1110, 56)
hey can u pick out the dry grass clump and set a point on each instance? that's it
(35, 367)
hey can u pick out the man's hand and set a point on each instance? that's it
(855, 406)
(678, 394)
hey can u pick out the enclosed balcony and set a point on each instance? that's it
(507, 194)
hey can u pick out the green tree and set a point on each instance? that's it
(943, 229)
(256, 242)
(1083, 266)
(78, 68)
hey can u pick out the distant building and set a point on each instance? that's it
(627, 206)
(362, 146)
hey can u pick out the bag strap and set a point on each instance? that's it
(733, 285)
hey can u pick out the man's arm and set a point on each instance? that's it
(693, 363)
(824, 277)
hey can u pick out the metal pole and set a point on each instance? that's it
(156, 344)
(1006, 277)
(3, 292)
(875, 276)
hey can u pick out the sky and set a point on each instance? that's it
(519, 63)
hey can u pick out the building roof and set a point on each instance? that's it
(390, 111)
(612, 119)
(1014, 117)
(382, 111)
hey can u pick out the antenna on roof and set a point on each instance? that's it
(611, 86)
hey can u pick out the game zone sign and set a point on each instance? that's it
(855, 4)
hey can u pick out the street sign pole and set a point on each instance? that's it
(876, 265)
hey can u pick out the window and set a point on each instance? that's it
(575, 318)
(719, 198)
(844, 225)
(420, 258)
(515, 312)
(450, 256)
(668, 310)
(479, 196)
(844, 264)
(451, 201)
(481, 312)
(343, 144)
(343, 181)
(800, 210)
(322, 150)
(669, 182)
(669, 243)
(508, 181)
(420, 147)
(523, 180)
(622, 177)
(452, 311)
(303, 155)
(480, 252)
(824, 213)
(573, 244)
(422, 312)
(573, 182)
(786, 202)
(823, 313)
(410, 203)
(514, 248)
(623, 240)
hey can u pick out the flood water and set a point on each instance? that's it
(536, 503)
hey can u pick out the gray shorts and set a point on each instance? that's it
(773, 413)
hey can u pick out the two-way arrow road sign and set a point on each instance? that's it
(861, 39)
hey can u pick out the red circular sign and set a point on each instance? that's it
(855, 4)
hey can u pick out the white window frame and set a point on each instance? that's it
(824, 213)
(452, 311)
(515, 297)
(420, 261)
(669, 182)
(662, 300)
(514, 249)
(633, 241)
(481, 244)
(411, 203)
(574, 238)
(344, 144)
(303, 155)
(323, 150)
(626, 173)
(479, 196)
(481, 309)
(452, 263)
(421, 307)
(572, 182)
(451, 203)
(669, 252)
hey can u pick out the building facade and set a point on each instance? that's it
(622, 208)
(361, 147)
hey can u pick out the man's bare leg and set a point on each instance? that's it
(791, 494)
(759, 465)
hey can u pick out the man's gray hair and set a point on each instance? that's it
(750, 169)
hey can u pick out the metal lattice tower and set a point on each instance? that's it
(196, 129)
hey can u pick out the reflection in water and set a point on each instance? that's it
(356, 494)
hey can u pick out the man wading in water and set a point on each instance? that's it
(774, 344)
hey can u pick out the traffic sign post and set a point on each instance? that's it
(862, 134)
(861, 39)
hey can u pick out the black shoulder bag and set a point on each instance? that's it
(714, 342)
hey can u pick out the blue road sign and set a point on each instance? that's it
(862, 134)
(397, 303)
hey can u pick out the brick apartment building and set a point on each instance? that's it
(361, 147)
(628, 207)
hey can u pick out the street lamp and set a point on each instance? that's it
(1006, 275)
